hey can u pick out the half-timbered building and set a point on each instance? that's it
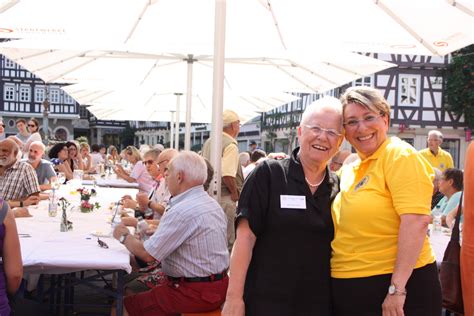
(414, 89)
(22, 95)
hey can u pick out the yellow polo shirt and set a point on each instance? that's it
(230, 157)
(442, 160)
(395, 180)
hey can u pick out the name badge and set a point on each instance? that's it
(293, 201)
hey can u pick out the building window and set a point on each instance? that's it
(410, 141)
(54, 95)
(25, 93)
(39, 94)
(362, 82)
(409, 90)
(9, 64)
(68, 99)
(9, 92)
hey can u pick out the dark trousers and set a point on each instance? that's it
(364, 296)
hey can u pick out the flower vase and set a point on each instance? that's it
(86, 209)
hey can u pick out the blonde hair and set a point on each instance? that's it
(367, 97)
(84, 145)
(133, 151)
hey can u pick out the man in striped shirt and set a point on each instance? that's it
(190, 243)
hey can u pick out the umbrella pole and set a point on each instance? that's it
(218, 96)
(189, 95)
(176, 140)
(171, 129)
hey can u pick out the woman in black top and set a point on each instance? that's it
(280, 259)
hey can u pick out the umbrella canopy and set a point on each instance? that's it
(126, 103)
(72, 62)
(424, 27)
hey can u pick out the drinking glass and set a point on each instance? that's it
(61, 177)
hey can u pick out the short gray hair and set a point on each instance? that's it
(192, 165)
(327, 101)
(38, 143)
(244, 157)
(152, 153)
(436, 133)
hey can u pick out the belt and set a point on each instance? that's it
(211, 278)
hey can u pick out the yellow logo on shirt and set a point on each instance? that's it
(361, 183)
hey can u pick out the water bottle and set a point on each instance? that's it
(142, 226)
(436, 220)
(52, 204)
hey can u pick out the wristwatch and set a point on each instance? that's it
(123, 237)
(392, 290)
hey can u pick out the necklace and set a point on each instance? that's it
(317, 184)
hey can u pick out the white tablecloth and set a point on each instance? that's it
(50, 251)
(110, 180)
(439, 241)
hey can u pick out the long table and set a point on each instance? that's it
(110, 180)
(46, 250)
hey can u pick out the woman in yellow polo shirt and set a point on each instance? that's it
(382, 261)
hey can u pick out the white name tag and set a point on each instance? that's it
(293, 201)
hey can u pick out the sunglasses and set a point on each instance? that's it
(149, 162)
(31, 125)
(102, 244)
(3, 125)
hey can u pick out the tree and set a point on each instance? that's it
(82, 139)
(128, 135)
(459, 88)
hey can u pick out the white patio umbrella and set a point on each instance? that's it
(126, 103)
(386, 26)
(420, 27)
(64, 62)
(424, 27)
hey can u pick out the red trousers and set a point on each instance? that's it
(174, 298)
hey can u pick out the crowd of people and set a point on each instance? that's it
(322, 231)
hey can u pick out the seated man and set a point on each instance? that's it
(18, 182)
(157, 199)
(44, 169)
(190, 243)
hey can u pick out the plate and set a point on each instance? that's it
(100, 233)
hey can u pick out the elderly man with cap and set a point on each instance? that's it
(437, 157)
(232, 176)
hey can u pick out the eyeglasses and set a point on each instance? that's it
(102, 244)
(31, 125)
(368, 119)
(149, 162)
(318, 130)
(3, 125)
